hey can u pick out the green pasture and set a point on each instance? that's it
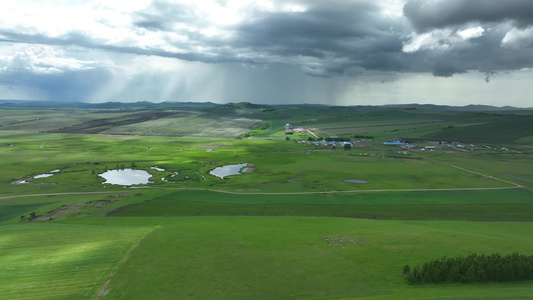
(261, 257)
(61, 261)
(262, 234)
(14, 211)
(378, 121)
(278, 166)
(503, 129)
(504, 165)
(484, 205)
(289, 258)
(67, 207)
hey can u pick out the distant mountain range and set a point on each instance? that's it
(240, 105)
(470, 107)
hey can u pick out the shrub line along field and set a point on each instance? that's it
(290, 228)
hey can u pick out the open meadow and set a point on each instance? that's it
(296, 220)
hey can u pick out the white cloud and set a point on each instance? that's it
(471, 32)
(41, 59)
(516, 38)
(392, 8)
(439, 39)
(442, 39)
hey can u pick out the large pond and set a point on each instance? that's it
(228, 170)
(126, 177)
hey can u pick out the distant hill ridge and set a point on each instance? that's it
(239, 105)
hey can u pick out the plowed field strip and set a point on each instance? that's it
(96, 126)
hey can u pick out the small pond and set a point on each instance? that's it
(228, 170)
(355, 181)
(43, 176)
(126, 177)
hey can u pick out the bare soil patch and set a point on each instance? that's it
(250, 168)
(69, 208)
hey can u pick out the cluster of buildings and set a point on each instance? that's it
(333, 143)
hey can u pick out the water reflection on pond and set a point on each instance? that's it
(228, 170)
(355, 181)
(126, 177)
(43, 176)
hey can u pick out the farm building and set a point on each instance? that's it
(395, 142)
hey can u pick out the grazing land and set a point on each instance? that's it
(301, 221)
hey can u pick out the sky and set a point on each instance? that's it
(336, 52)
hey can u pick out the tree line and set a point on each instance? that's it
(472, 268)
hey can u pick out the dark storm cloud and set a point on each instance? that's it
(428, 15)
(329, 38)
(337, 37)
(486, 53)
(76, 85)
(339, 34)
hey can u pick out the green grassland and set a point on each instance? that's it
(504, 128)
(279, 166)
(484, 205)
(60, 261)
(288, 258)
(262, 234)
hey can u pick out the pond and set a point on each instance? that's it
(43, 176)
(355, 181)
(126, 177)
(228, 170)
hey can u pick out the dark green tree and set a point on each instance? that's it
(406, 272)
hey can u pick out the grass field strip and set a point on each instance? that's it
(104, 291)
(352, 191)
(60, 261)
(518, 178)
